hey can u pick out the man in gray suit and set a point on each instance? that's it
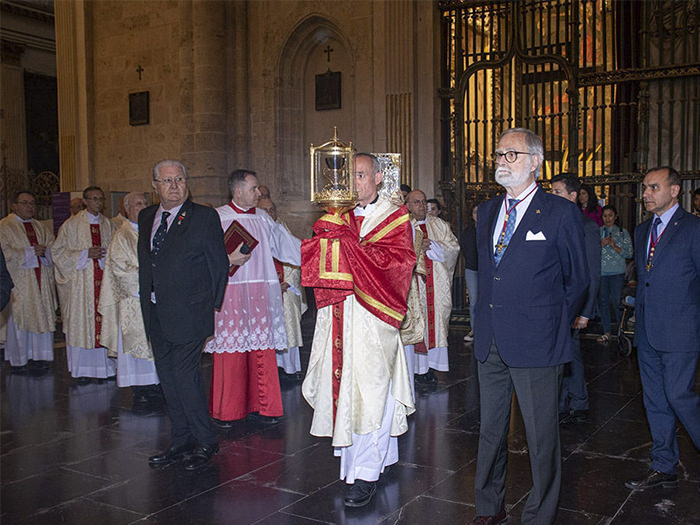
(573, 396)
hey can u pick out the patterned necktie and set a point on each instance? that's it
(160, 232)
(655, 230)
(508, 232)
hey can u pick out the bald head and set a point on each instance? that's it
(417, 205)
(264, 192)
(264, 203)
(134, 202)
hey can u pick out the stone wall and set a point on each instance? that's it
(231, 85)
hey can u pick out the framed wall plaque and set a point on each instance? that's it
(328, 90)
(138, 108)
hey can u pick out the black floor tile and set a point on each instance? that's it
(78, 454)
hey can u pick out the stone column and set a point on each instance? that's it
(72, 74)
(204, 144)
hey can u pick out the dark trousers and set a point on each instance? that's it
(609, 295)
(668, 388)
(574, 394)
(179, 370)
(537, 390)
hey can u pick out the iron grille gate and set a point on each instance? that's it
(611, 87)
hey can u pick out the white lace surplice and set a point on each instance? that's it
(252, 315)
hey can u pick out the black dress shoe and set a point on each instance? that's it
(225, 425)
(360, 493)
(170, 455)
(497, 519)
(265, 420)
(201, 456)
(653, 478)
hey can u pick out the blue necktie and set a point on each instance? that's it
(508, 233)
(655, 230)
(160, 232)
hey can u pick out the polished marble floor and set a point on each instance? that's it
(77, 454)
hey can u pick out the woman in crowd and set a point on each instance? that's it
(616, 247)
(588, 201)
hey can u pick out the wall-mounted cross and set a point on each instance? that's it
(139, 70)
(328, 51)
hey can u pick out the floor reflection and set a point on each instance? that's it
(78, 454)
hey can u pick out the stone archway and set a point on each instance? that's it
(298, 123)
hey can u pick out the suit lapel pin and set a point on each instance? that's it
(181, 217)
(537, 210)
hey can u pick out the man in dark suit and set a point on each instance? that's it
(183, 269)
(533, 278)
(667, 331)
(573, 396)
(6, 284)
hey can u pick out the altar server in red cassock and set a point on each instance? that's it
(250, 326)
(360, 265)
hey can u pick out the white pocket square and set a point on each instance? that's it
(539, 236)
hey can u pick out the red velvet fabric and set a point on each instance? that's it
(243, 383)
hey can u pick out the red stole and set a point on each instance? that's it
(279, 268)
(97, 281)
(33, 241)
(430, 294)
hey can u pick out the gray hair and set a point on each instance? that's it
(237, 177)
(169, 163)
(534, 145)
(128, 196)
(375, 161)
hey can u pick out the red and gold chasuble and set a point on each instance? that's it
(97, 280)
(430, 295)
(33, 241)
(376, 268)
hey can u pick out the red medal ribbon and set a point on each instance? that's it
(33, 241)
(652, 249)
(502, 236)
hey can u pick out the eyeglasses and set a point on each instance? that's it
(170, 180)
(96, 199)
(27, 203)
(511, 156)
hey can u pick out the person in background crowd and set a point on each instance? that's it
(76, 205)
(79, 257)
(434, 208)
(441, 250)
(616, 248)
(588, 201)
(32, 316)
(696, 202)
(123, 332)
(467, 243)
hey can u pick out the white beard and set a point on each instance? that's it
(511, 179)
